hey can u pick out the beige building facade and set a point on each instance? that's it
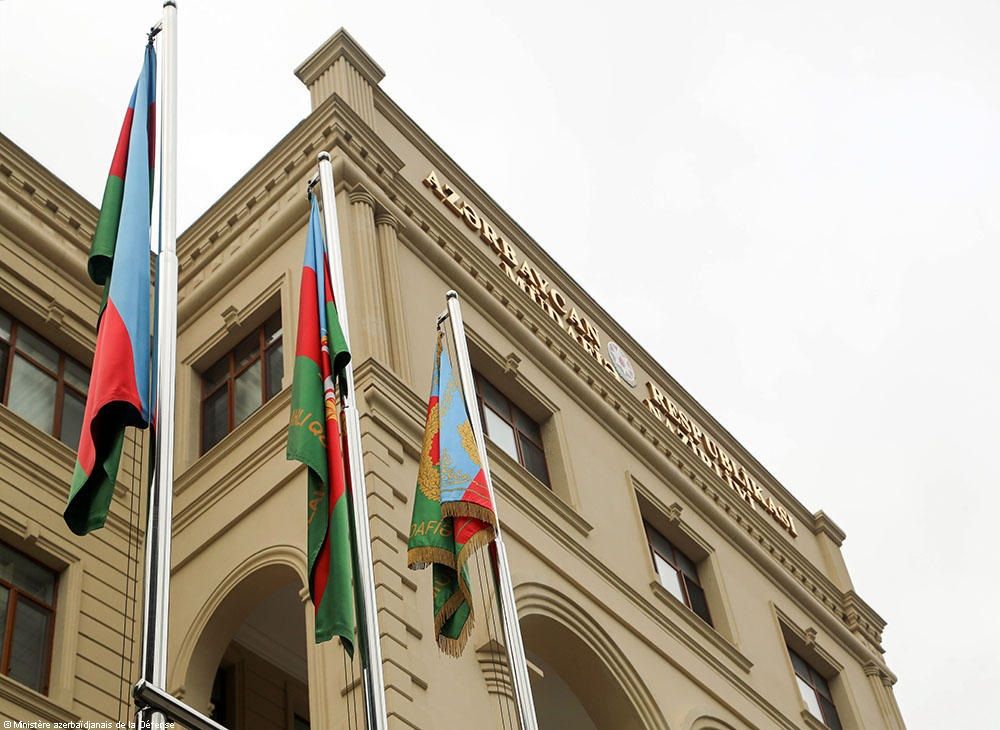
(665, 580)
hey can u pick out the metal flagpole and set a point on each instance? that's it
(156, 705)
(374, 682)
(508, 608)
(156, 592)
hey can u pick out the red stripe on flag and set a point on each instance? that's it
(111, 380)
(321, 573)
(307, 338)
(120, 159)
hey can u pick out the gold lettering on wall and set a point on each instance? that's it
(554, 304)
(525, 276)
(715, 456)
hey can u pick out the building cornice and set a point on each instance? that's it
(245, 211)
(48, 198)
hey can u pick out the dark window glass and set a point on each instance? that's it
(241, 382)
(32, 393)
(815, 692)
(512, 429)
(534, 460)
(27, 610)
(39, 383)
(275, 369)
(29, 647)
(249, 394)
(300, 723)
(215, 417)
(830, 716)
(72, 419)
(677, 573)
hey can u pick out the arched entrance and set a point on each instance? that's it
(245, 658)
(584, 680)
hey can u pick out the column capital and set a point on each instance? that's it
(385, 218)
(359, 195)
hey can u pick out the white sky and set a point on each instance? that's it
(793, 206)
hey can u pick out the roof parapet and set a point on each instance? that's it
(340, 66)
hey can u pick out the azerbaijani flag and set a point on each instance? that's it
(453, 514)
(314, 438)
(119, 393)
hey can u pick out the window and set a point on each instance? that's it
(299, 723)
(815, 692)
(42, 385)
(27, 618)
(241, 382)
(511, 429)
(677, 573)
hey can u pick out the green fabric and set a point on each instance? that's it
(90, 496)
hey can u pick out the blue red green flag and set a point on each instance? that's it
(119, 393)
(315, 439)
(453, 514)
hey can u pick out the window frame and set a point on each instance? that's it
(510, 418)
(654, 536)
(14, 596)
(229, 381)
(59, 375)
(814, 686)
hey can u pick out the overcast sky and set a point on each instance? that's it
(793, 206)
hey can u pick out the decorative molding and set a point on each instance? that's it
(511, 363)
(492, 658)
(264, 418)
(233, 320)
(46, 197)
(812, 722)
(342, 66)
(805, 635)
(826, 526)
(33, 440)
(40, 706)
(673, 513)
(385, 218)
(359, 195)
(684, 614)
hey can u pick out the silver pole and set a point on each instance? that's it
(156, 591)
(508, 607)
(374, 681)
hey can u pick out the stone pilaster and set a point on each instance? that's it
(881, 683)
(387, 231)
(369, 325)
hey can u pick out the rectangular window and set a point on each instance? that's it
(677, 573)
(815, 692)
(41, 384)
(241, 382)
(27, 618)
(511, 429)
